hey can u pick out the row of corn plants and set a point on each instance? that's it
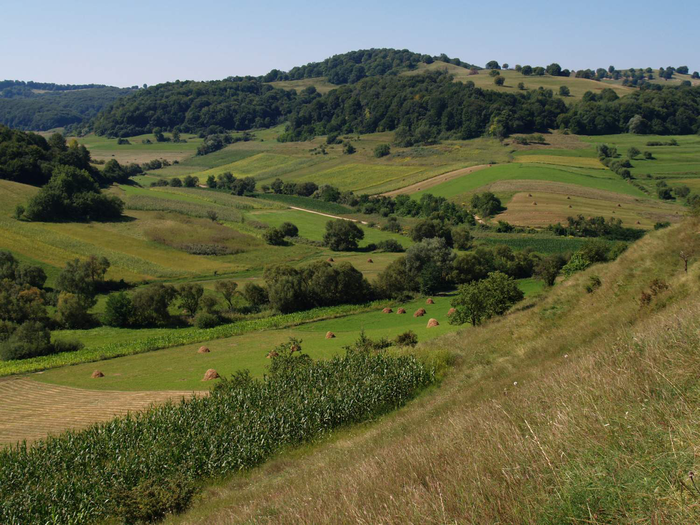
(142, 466)
(179, 337)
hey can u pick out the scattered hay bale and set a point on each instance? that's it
(97, 374)
(619, 205)
(568, 198)
(401, 311)
(211, 374)
(330, 335)
(639, 222)
(529, 194)
(569, 205)
(370, 261)
(534, 203)
(387, 311)
(330, 259)
(451, 311)
(419, 313)
(432, 323)
(203, 350)
(272, 354)
(429, 301)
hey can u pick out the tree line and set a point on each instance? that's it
(349, 68)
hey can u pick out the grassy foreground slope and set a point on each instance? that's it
(580, 409)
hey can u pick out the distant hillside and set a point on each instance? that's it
(352, 67)
(32, 108)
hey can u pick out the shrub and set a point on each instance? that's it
(391, 246)
(118, 310)
(288, 229)
(274, 237)
(499, 81)
(407, 339)
(484, 299)
(382, 150)
(206, 320)
(255, 294)
(175, 182)
(594, 283)
(30, 339)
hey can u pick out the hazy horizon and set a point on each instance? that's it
(79, 42)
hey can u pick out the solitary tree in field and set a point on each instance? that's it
(342, 235)
(493, 65)
(190, 294)
(228, 290)
(499, 81)
(564, 91)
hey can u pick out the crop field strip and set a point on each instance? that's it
(32, 410)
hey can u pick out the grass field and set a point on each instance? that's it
(577, 86)
(103, 148)
(458, 189)
(182, 368)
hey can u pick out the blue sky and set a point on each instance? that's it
(125, 42)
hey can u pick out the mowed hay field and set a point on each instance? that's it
(31, 410)
(540, 209)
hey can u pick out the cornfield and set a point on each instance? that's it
(156, 459)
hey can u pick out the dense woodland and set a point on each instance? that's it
(22, 108)
(349, 68)
(422, 109)
(188, 106)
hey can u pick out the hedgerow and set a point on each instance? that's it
(178, 337)
(142, 466)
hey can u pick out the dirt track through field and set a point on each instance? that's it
(434, 181)
(31, 410)
(327, 215)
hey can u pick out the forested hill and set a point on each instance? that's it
(39, 106)
(189, 106)
(349, 68)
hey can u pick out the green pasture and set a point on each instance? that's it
(457, 189)
(182, 368)
(313, 226)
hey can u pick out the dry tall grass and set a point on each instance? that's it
(579, 409)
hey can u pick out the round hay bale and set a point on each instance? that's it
(272, 354)
(401, 311)
(569, 205)
(203, 350)
(534, 204)
(568, 198)
(451, 311)
(529, 194)
(432, 323)
(619, 205)
(639, 222)
(97, 374)
(370, 261)
(211, 374)
(330, 259)
(429, 301)
(330, 335)
(419, 313)
(387, 311)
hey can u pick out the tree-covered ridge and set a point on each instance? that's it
(58, 108)
(429, 107)
(349, 68)
(424, 108)
(21, 88)
(190, 106)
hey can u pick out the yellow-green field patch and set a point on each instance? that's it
(578, 162)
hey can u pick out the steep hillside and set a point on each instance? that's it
(578, 407)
